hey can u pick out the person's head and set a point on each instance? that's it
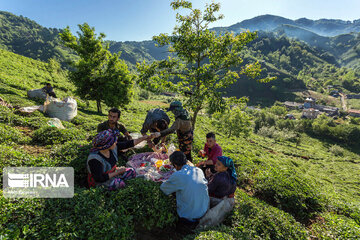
(104, 140)
(161, 125)
(114, 115)
(210, 139)
(220, 167)
(178, 159)
(175, 105)
(48, 85)
(226, 164)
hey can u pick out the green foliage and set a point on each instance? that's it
(99, 75)
(205, 60)
(233, 122)
(89, 214)
(50, 135)
(257, 220)
(290, 192)
(148, 205)
(43, 44)
(336, 150)
(335, 226)
(11, 135)
(74, 154)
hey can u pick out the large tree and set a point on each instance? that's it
(204, 62)
(98, 75)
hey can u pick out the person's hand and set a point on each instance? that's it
(120, 170)
(155, 135)
(208, 172)
(202, 153)
(199, 164)
(151, 144)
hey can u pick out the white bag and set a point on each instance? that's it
(64, 110)
(55, 122)
(214, 216)
(36, 93)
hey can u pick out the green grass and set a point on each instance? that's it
(284, 188)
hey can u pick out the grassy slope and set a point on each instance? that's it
(261, 164)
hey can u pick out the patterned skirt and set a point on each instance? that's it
(185, 141)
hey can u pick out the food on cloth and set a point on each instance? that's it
(166, 168)
(159, 163)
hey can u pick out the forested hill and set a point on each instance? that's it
(313, 62)
(323, 27)
(23, 36)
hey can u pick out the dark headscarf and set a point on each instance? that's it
(228, 162)
(104, 140)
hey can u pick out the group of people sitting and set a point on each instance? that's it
(197, 187)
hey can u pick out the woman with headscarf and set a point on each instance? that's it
(223, 182)
(183, 128)
(101, 162)
(221, 188)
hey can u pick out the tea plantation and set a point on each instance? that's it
(285, 190)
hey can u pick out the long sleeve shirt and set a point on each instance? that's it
(179, 125)
(190, 186)
(221, 185)
(213, 153)
(152, 116)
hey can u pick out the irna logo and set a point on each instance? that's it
(37, 180)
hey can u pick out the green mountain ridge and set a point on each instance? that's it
(294, 63)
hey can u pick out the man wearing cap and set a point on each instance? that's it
(190, 186)
(183, 128)
(156, 120)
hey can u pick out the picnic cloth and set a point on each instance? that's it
(145, 165)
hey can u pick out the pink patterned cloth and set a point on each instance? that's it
(149, 170)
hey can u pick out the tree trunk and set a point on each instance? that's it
(98, 104)
(193, 120)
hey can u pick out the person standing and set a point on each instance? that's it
(156, 121)
(182, 126)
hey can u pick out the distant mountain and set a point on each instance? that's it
(23, 36)
(322, 27)
(293, 51)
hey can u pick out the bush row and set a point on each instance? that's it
(91, 214)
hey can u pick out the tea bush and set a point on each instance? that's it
(50, 135)
(148, 205)
(255, 219)
(73, 154)
(336, 227)
(290, 192)
(12, 135)
(91, 213)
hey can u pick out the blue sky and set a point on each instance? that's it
(136, 20)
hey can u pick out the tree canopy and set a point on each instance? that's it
(203, 66)
(98, 75)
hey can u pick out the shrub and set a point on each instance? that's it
(74, 154)
(337, 150)
(149, 206)
(90, 214)
(12, 135)
(50, 135)
(290, 192)
(335, 226)
(257, 220)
